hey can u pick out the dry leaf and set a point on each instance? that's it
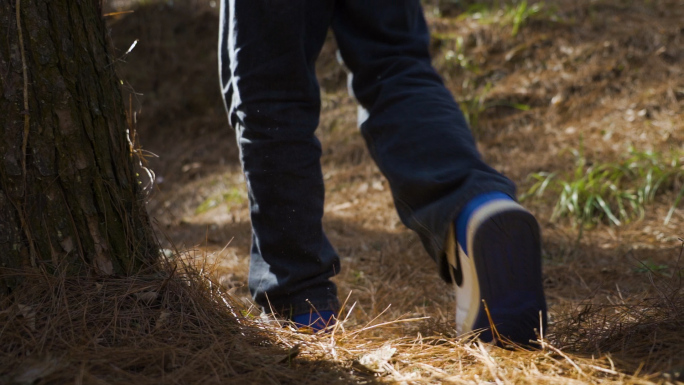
(29, 315)
(375, 361)
(32, 371)
(147, 296)
(162, 319)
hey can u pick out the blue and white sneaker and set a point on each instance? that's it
(315, 322)
(494, 249)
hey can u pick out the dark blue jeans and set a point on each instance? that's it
(414, 130)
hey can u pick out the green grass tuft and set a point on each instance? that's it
(616, 192)
(513, 13)
(232, 196)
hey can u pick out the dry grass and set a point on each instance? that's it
(642, 331)
(173, 327)
(179, 327)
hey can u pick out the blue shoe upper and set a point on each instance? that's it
(317, 321)
(469, 209)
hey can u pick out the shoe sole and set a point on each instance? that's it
(509, 284)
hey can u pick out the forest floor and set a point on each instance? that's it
(581, 85)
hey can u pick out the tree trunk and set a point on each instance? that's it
(69, 195)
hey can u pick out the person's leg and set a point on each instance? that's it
(414, 129)
(267, 54)
(419, 138)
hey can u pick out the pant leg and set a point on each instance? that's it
(414, 129)
(267, 53)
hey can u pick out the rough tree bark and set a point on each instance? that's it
(69, 195)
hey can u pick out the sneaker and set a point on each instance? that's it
(496, 272)
(314, 322)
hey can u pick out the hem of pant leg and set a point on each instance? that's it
(436, 241)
